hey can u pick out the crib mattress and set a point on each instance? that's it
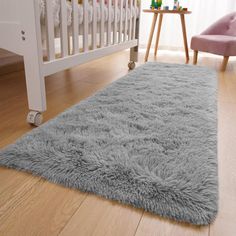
(56, 13)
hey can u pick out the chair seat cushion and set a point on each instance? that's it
(218, 44)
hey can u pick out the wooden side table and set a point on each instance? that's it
(162, 12)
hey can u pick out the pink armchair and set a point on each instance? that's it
(219, 38)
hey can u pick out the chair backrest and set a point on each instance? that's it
(224, 26)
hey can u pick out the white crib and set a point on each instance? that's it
(34, 28)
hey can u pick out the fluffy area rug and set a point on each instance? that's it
(148, 140)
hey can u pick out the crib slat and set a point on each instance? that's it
(121, 21)
(94, 34)
(126, 20)
(69, 42)
(38, 32)
(102, 24)
(130, 20)
(64, 31)
(85, 33)
(50, 31)
(109, 23)
(75, 26)
(134, 19)
(115, 24)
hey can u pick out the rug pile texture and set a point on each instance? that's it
(148, 140)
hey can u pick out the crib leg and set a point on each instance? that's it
(134, 54)
(35, 88)
(133, 57)
(33, 60)
(134, 50)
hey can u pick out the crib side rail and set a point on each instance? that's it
(10, 26)
(103, 28)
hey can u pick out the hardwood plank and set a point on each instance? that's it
(12, 185)
(223, 226)
(10, 62)
(152, 225)
(225, 221)
(45, 210)
(98, 216)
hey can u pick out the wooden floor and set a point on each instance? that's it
(10, 62)
(32, 206)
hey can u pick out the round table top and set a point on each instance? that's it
(167, 11)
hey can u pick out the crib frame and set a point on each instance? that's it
(20, 31)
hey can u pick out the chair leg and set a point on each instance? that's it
(224, 63)
(195, 57)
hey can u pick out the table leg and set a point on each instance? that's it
(158, 33)
(184, 36)
(154, 20)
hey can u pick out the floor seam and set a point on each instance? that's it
(23, 194)
(139, 223)
(86, 195)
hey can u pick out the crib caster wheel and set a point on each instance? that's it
(131, 65)
(35, 118)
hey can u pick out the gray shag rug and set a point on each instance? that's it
(148, 140)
